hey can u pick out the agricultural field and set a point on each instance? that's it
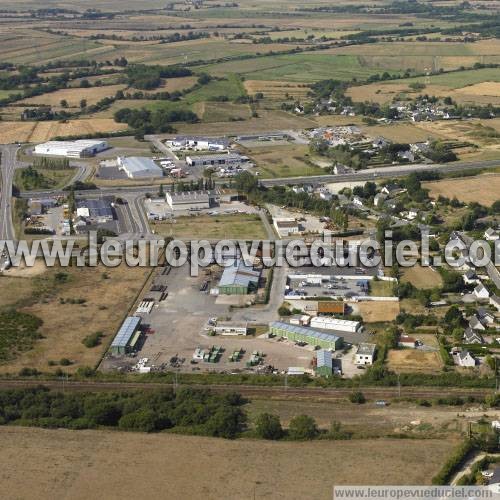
(482, 188)
(96, 300)
(73, 96)
(283, 161)
(307, 67)
(43, 131)
(32, 457)
(379, 288)
(375, 312)
(421, 277)
(414, 361)
(234, 226)
(276, 90)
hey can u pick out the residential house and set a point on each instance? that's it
(392, 189)
(339, 169)
(481, 292)
(405, 341)
(379, 199)
(475, 323)
(470, 278)
(465, 359)
(406, 156)
(485, 316)
(380, 142)
(357, 201)
(472, 337)
(495, 302)
(491, 234)
(365, 355)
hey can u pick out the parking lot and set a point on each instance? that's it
(177, 325)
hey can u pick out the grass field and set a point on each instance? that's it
(296, 68)
(46, 464)
(484, 189)
(414, 361)
(43, 131)
(55, 178)
(107, 293)
(421, 277)
(375, 312)
(379, 288)
(283, 161)
(225, 226)
(276, 90)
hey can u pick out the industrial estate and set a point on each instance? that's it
(270, 125)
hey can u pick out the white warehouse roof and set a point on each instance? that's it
(341, 325)
(75, 149)
(138, 166)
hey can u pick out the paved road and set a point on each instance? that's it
(384, 172)
(7, 168)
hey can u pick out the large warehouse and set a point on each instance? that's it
(239, 279)
(339, 325)
(71, 149)
(215, 160)
(96, 211)
(139, 167)
(127, 337)
(307, 335)
(192, 200)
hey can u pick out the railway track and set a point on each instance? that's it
(254, 391)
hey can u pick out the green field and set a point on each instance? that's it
(457, 79)
(306, 67)
(54, 178)
(233, 226)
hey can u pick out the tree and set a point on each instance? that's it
(64, 103)
(303, 427)
(83, 103)
(357, 397)
(268, 426)
(161, 191)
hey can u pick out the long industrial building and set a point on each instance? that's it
(138, 167)
(339, 325)
(192, 200)
(307, 335)
(215, 160)
(127, 337)
(71, 149)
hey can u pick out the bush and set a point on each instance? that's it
(268, 426)
(453, 463)
(357, 397)
(92, 340)
(302, 427)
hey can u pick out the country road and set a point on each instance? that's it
(7, 169)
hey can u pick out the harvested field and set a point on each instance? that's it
(483, 88)
(277, 90)
(104, 304)
(414, 361)
(181, 83)
(421, 277)
(398, 132)
(47, 464)
(483, 188)
(43, 131)
(73, 96)
(375, 312)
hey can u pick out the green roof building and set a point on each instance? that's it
(307, 335)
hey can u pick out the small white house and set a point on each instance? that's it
(286, 226)
(356, 200)
(465, 359)
(481, 292)
(379, 199)
(365, 355)
(491, 234)
(231, 328)
(470, 278)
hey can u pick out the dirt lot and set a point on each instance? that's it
(74, 96)
(421, 277)
(43, 131)
(47, 464)
(106, 295)
(373, 312)
(414, 361)
(482, 188)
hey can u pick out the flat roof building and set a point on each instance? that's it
(307, 335)
(239, 279)
(139, 167)
(97, 211)
(286, 226)
(231, 328)
(331, 307)
(127, 336)
(215, 160)
(71, 149)
(192, 200)
(339, 325)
